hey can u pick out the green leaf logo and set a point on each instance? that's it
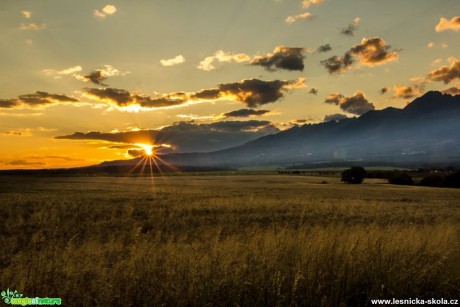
(9, 294)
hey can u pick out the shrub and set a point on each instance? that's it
(355, 174)
(452, 181)
(432, 181)
(401, 178)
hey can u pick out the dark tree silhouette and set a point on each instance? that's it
(432, 180)
(452, 180)
(354, 175)
(401, 178)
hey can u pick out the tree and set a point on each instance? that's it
(402, 178)
(432, 180)
(452, 180)
(355, 175)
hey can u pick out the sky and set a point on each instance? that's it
(84, 82)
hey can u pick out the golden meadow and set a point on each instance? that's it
(240, 240)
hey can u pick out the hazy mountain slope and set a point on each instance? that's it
(428, 129)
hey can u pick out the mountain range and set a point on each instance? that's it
(426, 131)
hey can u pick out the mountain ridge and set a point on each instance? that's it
(424, 130)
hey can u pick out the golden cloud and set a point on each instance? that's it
(445, 24)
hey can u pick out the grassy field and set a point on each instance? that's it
(269, 240)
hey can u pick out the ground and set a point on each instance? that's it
(227, 240)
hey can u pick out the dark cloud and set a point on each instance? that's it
(356, 104)
(313, 91)
(338, 64)
(135, 153)
(24, 163)
(349, 30)
(252, 92)
(335, 117)
(334, 98)
(117, 96)
(373, 51)
(124, 98)
(446, 74)
(298, 122)
(9, 103)
(453, 91)
(36, 99)
(324, 48)
(245, 113)
(370, 52)
(96, 77)
(384, 90)
(165, 101)
(44, 98)
(287, 58)
(187, 136)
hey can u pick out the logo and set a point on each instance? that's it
(16, 298)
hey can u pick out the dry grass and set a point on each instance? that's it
(227, 240)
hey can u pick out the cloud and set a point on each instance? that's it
(292, 19)
(406, 92)
(287, 58)
(188, 136)
(338, 64)
(384, 90)
(57, 74)
(334, 117)
(53, 157)
(99, 75)
(19, 132)
(135, 153)
(26, 14)
(297, 122)
(245, 113)
(373, 51)
(436, 62)
(324, 48)
(334, 98)
(453, 91)
(106, 11)
(306, 3)
(313, 91)
(118, 96)
(222, 56)
(9, 103)
(356, 104)
(43, 98)
(96, 77)
(23, 163)
(251, 92)
(174, 61)
(446, 74)
(370, 52)
(32, 26)
(36, 99)
(351, 28)
(445, 24)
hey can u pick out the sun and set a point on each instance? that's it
(148, 149)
